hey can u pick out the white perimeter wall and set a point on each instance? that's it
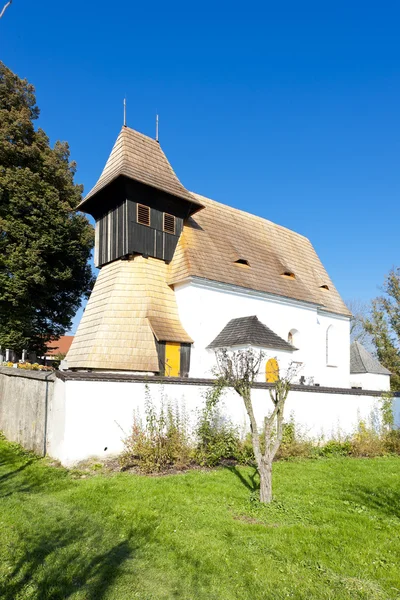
(206, 307)
(91, 418)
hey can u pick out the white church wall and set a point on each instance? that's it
(206, 307)
(91, 418)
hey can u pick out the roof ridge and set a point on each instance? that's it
(127, 129)
(248, 214)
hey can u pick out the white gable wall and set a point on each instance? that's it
(205, 307)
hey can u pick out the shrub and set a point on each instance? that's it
(217, 438)
(161, 443)
(391, 441)
(367, 442)
(294, 443)
(333, 448)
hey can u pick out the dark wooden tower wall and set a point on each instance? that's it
(119, 231)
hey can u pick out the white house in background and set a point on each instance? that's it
(365, 371)
(178, 272)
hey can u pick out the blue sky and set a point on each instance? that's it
(288, 110)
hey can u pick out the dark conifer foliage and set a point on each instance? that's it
(45, 245)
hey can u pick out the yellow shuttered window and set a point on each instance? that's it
(172, 359)
(272, 370)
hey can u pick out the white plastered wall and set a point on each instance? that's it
(206, 307)
(91, 418)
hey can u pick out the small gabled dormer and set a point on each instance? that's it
(138, 203)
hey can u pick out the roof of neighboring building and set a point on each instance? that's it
(215, 238)
(249, 331)
(141, 158)
(361, 361)
(60, 346)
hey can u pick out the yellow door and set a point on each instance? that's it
(172, 359)
(272, 370)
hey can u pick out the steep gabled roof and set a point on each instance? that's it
(141, 158)
(249, 331)
(361, 361)
(217, 236)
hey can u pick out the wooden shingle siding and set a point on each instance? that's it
(130, 309)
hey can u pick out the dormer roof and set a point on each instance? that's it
(142, 159)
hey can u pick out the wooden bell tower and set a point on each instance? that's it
(131, 321)
(138, 203)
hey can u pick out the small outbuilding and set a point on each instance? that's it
(366, 372)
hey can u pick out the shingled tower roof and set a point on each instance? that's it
(141, 158)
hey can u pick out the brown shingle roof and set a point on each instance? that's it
(141, 158)
(214, 238)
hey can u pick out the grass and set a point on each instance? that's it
(333, 532)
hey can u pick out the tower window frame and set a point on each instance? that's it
(143, 215)
(169, 223)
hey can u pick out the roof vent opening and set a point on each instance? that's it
(324, 286)
(169, 223)
(143, 214)
(288, 275)
(242, 261)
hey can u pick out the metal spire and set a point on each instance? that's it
(156, 128)
(124, 112)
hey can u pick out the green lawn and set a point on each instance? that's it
(332, 532)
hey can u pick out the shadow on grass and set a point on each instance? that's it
(247, 479)
(58, 560)
(26, 473)
(385, 501)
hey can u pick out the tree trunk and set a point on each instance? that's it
(265, 470)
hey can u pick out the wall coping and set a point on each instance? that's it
(25, 374)
(129, 378)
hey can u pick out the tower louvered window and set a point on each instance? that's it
(143, 214)
(169, 223)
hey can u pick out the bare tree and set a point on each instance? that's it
(360, 311)
(239, 369)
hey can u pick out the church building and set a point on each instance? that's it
(182, 275)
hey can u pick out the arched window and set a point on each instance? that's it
(271, 371)
(294, 338)
(331, 346)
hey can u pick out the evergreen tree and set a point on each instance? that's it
(384, 326)
(44, 244)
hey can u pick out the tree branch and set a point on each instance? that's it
(5, 8)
